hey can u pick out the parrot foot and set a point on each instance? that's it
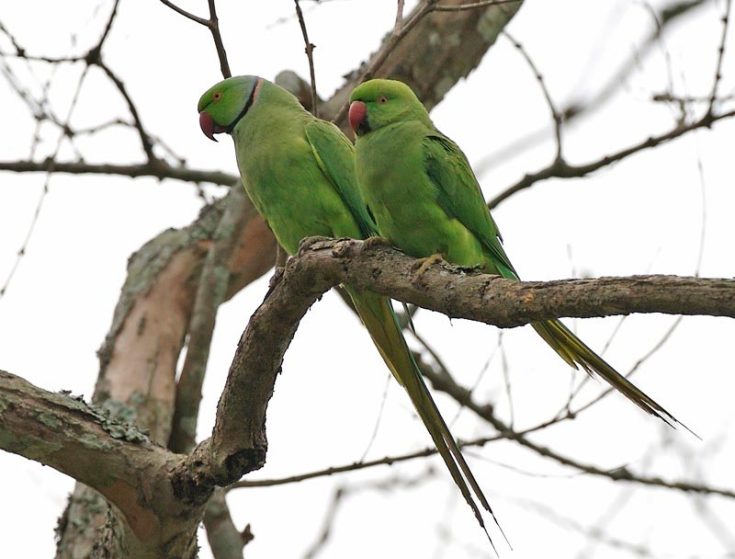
(421, 266)
(307, 243)
(376, 241)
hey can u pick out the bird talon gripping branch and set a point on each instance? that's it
(376, 241)
(422, 265)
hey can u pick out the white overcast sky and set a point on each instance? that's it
(644, 215)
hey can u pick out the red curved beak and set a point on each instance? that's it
(206, 123)
(357, 114)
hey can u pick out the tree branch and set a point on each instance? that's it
(224, 538)
(70, 436)
(507, 303)
(158, 168)
(114, 458)
(239, 442)
(309, 50)
(561, 169)
(213, 25)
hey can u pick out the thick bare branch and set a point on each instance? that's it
(65, 433)
(506, 303)
(113, 457)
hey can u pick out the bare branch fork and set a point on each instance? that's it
(213, 25)
(309, 50)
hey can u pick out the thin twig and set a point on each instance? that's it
(145, 139)
(224, 65)
(188, 15)
(309, 50)
(577, 108)
(562, 169)
(552, 514)
(213, 25)
(44, 191)
(399, 17)
(471, 5)
(159, 169)
(379, 417)
(345, 490)
(616, 474)
(720, 56)
(555, 114)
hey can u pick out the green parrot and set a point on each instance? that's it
(427, 202)
(299, 172)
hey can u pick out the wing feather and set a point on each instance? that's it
(460, 196)
(335, 156)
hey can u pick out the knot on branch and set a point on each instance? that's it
(241, 463)
(94, 56)
(191, 480)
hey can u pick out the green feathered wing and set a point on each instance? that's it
(460, 196)
(335, 156)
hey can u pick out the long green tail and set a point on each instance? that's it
(381, 322)
(576, 353)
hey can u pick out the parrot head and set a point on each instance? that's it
(225, 103)
(378, 103)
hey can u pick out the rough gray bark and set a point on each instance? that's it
(462, 293)
(138, 358)
(111, 456)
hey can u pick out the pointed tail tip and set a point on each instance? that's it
(487, 533)
(674, 423)
(489, 538)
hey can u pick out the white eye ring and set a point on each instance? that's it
(382, 99)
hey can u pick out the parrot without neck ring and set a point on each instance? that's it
(299, 172)
(427, 201)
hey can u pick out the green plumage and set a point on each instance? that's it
(426, 201)
(299, 172)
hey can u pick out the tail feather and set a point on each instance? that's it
(577, 354)
(381, 322)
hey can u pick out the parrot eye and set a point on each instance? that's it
(382, 99)
(217, 96)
